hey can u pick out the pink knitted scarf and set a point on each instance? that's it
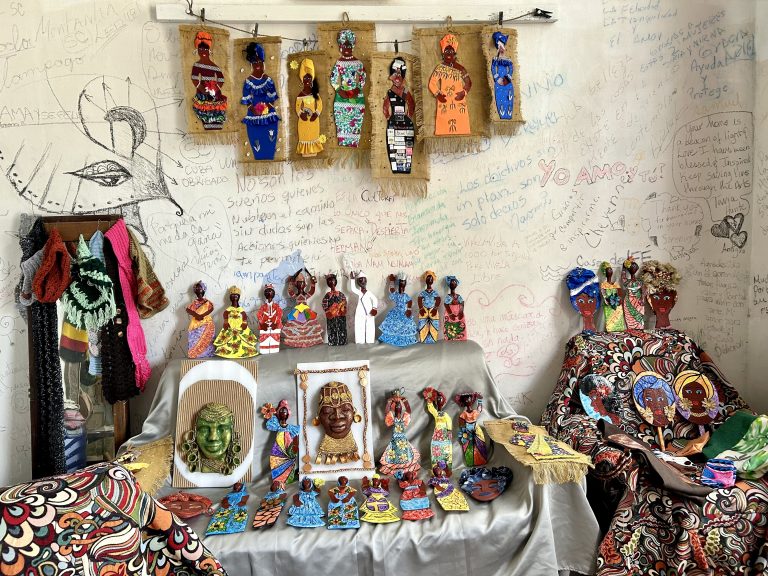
(118, 238)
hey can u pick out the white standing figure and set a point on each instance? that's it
(365, 313)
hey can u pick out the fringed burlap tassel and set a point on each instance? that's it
(150, 463)
(261, 136)
(503, 76)
(558, 472)
(209, 106)
(470, 56)
(401, 187)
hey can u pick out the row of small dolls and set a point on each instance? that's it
(301, 328)
(624, 304)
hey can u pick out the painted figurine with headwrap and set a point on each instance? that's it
(454, 324)
(306, 512)
(399, 108)
(367, 308)
(429, 310)
(446, 494)
(260, 94)
(335, 306)
(400, 454)
(441, 447)
(502, 69)
(270, 317)
(377, 509)
(697, 399)
(398, 327)
(613, 298)
(584, 295)
(209, 104)
(655, 401)
(348, 80)
(450, 84)
(201, 331)
(235, 340)
(302, 329)
(309, 106)
(634, 306)
(471, 435)
(283, 458)
(661, 282)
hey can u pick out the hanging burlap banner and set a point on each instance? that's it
(307, 120)
(503, 73)
(349, 46)
(261, 141)
(455, 93)
(208, 89)
(399, 162)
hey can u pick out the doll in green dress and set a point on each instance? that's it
(613, 296)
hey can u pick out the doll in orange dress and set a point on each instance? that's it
(450, 84)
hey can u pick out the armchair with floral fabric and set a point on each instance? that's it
(653, 530)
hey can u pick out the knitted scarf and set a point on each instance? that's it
(88, 301)
(150, 294)
(53, 275)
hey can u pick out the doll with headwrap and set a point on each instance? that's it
(584, 294)
(429, 311)
(399, 107)
(398, 327)
(400, 453)
(335, 307)
(613, 297)
(661, 282)
(454, 325)
(634, 307)
(471, 435)
(309, 106)
(697, 399)
(235, 340)
(654, 401)
(502, 69)
(201, 331)
(450, 84)
(283, 458)
(260, 94)
(348, 80)
(301, 328)
(209, 104)
(270, 317)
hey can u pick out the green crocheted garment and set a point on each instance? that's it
(89, 300)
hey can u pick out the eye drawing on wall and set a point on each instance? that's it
(116, 167)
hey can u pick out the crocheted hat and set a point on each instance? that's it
(89, 300)
(53, 275)
(73, 345)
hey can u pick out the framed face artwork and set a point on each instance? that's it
(214, 424)
(334, 409)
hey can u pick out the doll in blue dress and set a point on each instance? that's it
(306, 512)
(398, 327)
(232, 515)
(501, 70)
(260, 94)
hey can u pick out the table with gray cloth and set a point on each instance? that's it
(529, 530)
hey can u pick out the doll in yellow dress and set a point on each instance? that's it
(309, 106)
(446, 494)
(236, 339)
(441, 447)
(377, 509)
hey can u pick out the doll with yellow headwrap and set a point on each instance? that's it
(429, 310)
(209, 104)
(309, 106)
(450, 83)
(235, 340)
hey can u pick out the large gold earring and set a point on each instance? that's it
(358, 418)
(315, 422)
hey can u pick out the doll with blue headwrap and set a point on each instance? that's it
(502, 69)
(398, 327)
(655, 401)
(584, 294)
(260, 94)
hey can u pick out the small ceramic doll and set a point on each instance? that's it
(348, 79)
(186, 505)
(398, 327)
(584, 294)
(306, 512)
(209, 104)
(613, 301)
(414, 501)
(441, 447)
(301, 329)
(429, 311)
(235, 340)
(283, 459)
(634, 307)
(471, 435)
(335, 306)
(697, 399)
(270, 317)
(342, 509)
(365, 313)
(655, 401)
(400, 453)
(661, 282)
(260, 94)
(485, 484)
(270, 506)
(309, 106)
(450, 83)
(201, 331)
(232, 515)
(399, 108)
(446, 493)
(502, 69)
(598, 398)
(454, 325)
(377, 509)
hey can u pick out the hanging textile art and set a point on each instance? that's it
(503, 74)
(308, 110)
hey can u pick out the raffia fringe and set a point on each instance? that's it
(558, 472)
(449, 145)
(214, 137)
(506, 127)
(404, 187)
(311, 164)
(418, 114)
(265, 168)
(354, 158)
(157, 455)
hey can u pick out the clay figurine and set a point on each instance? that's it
(187, 505)
(260, 94)
(399, 108)
(398, 327)
(367, 303)
(471, 435)
(450, 83)
(377, 509)
(335, 306)
(485, 484)
(306, 512)
(283, 459)
(661, 282)
(309, 106)
(301, 329)
(209, 104)
(342, 509)
(214, 444)
(336, 413)
(446, 494)
(634, 307)
(654, 401)
(441, 447)
(270, 506)
(400, 453)
(232, 515)
(235, 340)
(454, 325)
(270, 317)
(201, 330)
(414, 501)
(502, 69)
(697, 399)
(599, 399)
(613, 301)
(429, 311)
(348, 80)
(584, 294)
